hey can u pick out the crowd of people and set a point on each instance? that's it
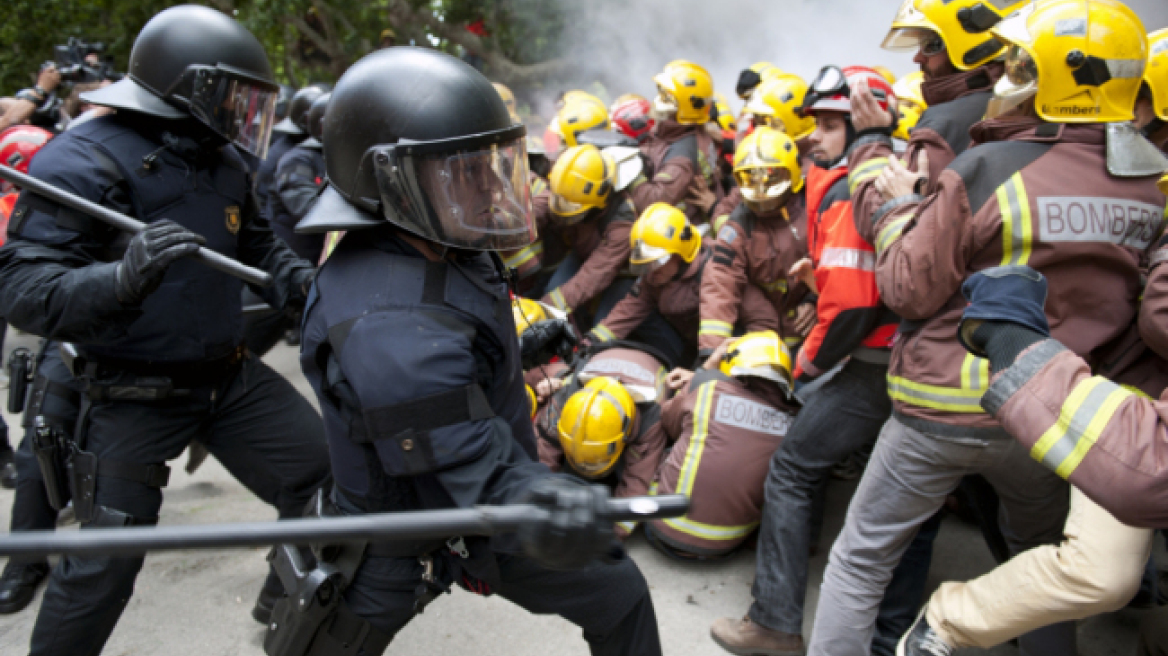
(947, 285)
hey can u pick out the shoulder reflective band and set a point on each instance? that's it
(891, 233)
(975, 373)
(524, 255)
(703, 411)
(1017, 228)
(603, 334)
(719, 328)
(1084, 414)
(848, 258)
(867, 171)
(949, 399)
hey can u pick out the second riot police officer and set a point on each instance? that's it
(157, 335)
(410, 345)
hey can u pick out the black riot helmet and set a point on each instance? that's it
(296, 123)
(422, 140)
(316, 114)
(195, 61)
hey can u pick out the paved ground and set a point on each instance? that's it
(189, 604)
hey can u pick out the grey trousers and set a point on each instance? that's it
(906, 482)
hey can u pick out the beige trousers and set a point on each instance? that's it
(1097, 569)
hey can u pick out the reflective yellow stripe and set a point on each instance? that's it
(538, 186)
(603, 334)
(1138, 392)
(975, 373)
(638, 181)
(628, 526)
(891, 233)
(865, 172)
(950, 399)
(792, 341)
(524, 255)
(1084, 414)
(1017, 231)
(779, 286)
(697, 441)
(709, 531)
(711, 327)
(557, 298)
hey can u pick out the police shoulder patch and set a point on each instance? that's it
(233, 219)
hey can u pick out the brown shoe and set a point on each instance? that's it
(745, 638)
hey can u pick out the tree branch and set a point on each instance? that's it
(500, 65)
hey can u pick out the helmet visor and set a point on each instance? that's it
(911, 39)
(761, 184)
(665, 103)
(239, 107)
(567, 209)
(470, 192)
(1019, 84)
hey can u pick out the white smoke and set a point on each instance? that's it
(623, 43)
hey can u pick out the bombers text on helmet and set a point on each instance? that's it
(685, 91)
(962, 25)
(193, 60)
(297, 120)
(443, 162)
(661, 232)
(1082, 61)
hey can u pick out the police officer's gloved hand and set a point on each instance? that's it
(544, 340)
(301, 282)
(148, 256)
(1005, 315)
(578, 530)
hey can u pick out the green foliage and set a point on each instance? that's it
(523, 31)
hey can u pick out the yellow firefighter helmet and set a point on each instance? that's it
(761, 355)
(594, 426)
(776, 102)
(686, 91)
(581, 181)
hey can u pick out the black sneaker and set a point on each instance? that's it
(18, 585)
(7, 470)
(922, 640)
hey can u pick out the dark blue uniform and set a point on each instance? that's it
(265, 173)
(298, 179)
(416, 366)
(56, 281)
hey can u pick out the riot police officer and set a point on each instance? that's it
(437, 416)
(289, 133)
(299, 177)
(157, 333)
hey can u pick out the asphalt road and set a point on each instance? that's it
(199, 603)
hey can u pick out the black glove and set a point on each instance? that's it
(149, 255)
(546, 339)
(578, 530)
(301, 283)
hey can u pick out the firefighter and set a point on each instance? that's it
(959, 62)
(598, 419)
(910, 106)
(1045, 152)
(1152, 104)
(750, 78)
(579, 115)
(756, 248)
(681, 156)
(724, 429)
(594, 221)
(632, 116)
(850, 323)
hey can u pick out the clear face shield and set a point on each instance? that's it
(645, 259)
(236, 105)
(761, 184)
(469, 192)
(665, 104)
(1019, 84)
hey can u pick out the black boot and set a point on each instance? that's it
(18, 585)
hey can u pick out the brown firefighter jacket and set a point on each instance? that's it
(681, 170)
(955, 103)
(644, 377)
(754, 251)
(1035, 194)
(725, 432)
(1108, 441)
(601, 242)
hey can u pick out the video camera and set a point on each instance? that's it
(75, 64)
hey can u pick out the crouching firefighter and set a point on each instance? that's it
(437, 417)
(599, 424)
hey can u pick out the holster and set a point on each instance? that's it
(82, 469)
(312, 619)
(20, 375)
(51, 447)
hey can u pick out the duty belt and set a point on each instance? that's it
(111, 379)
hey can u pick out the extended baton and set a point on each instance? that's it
(383, 527)
(213, 259)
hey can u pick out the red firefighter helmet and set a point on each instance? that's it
(832, 90)
(632, 117)
(18, 144)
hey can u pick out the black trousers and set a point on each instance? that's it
(254, 423)
(610, 603)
